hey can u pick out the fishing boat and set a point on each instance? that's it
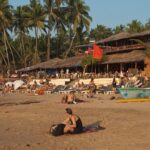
(128, 93)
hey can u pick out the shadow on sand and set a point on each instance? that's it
(94, 127)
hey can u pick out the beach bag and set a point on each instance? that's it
(57, 129)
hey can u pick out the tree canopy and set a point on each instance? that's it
(45, 29)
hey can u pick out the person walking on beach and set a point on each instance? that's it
(73, 123)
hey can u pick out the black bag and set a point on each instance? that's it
(57, 129)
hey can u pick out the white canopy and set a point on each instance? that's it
(17, 84)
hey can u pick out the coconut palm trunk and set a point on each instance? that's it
(3, 57)
(48, 44)
(6, 48)
(36, 45)
(11, 52)
(69, 49)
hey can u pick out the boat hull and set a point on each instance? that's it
(134, 92)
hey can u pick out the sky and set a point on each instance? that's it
(111, 12)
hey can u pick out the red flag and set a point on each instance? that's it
(97, 52)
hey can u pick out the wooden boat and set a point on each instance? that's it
(127, 93)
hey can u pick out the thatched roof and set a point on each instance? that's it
(28, 68)
(43, 65)
(140, 34)
(119, 36)
(62, 63)
(50, 64)
(71, 62)
(84, 45)
(55, 63)
(123, 35)
(134, 56)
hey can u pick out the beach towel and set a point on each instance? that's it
(94, 127)
(89, 129)
(77, 101)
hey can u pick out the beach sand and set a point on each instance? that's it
(25, 126)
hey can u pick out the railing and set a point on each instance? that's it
(110, 49)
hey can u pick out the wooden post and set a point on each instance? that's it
(120, 67)
(92, 66)
(98, 68)
(95, 68)
(107, 67)
(135, 65)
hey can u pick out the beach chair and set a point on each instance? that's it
(107, 89)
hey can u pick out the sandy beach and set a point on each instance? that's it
(25, 122)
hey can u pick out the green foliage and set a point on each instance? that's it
(119, 29)
(100, 32)
(147, 25)
(135, 26)
(87, 60)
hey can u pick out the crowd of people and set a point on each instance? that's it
(122, 79)
(74, 74)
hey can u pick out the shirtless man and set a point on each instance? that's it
(71, 98)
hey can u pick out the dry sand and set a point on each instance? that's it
(25, 126)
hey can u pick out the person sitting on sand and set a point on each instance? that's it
(71, 98)
(73, 123)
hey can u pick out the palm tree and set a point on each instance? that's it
(54, 14)
(118, 29)
(35, 16)
(147, 25)
(100, 32)
(135, 26)
(77, 17)
(3, 58)
(5, 24)
(20, 28)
